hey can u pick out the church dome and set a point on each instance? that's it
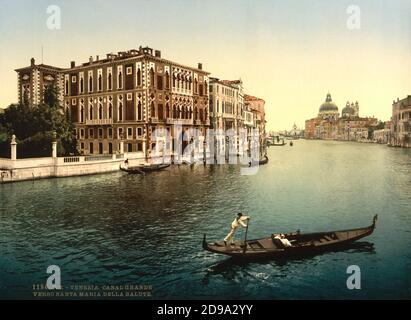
(348, 110)
(328, 106)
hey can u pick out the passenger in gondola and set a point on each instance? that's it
(284, 241)
(126, 164)
(239, 220)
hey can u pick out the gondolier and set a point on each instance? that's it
(239, 220)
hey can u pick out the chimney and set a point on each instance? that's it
(158, 54)
(90, 59)
(97, 57)
(32, 62)
(72, 64)
(200, 66)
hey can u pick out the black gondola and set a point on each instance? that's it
(144, 169)
(279, 144)
(302, 244)
(263, 160)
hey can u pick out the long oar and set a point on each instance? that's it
(245, 236)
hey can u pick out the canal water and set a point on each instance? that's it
(117, 229)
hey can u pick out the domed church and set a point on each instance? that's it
(329, 125)
(328, 110)
(350, 110)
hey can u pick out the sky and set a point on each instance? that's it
(290, 53)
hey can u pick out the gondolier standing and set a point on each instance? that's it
(239, 220)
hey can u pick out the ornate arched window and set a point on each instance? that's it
(174, 112)
(195, 113)
(139, 111)
(110, 111)
(139, 77)
(110, 81)
(153, 110)
(160, 112)
(120, 80)
(167, 80)
(81, 110)
(100, 82)
(120, 111)
(152, 77)
(167, 110)
(90, 84)
(90, 112)
(100, 110)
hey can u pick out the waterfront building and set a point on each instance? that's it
(33, 80)
(225, 113)
(401, 123)
(330, 125)
(382, 135)
(232, 111)
(256, 106)
(127, 97)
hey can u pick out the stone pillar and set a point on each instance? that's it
(13, 148)
(121, 145)
(54, 146)
(54, 149)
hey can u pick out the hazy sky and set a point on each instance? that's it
(290, 53)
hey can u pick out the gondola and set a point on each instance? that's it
(279, 144)
(263, 160)
(301, 244)
(145, 169)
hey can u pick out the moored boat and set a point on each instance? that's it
(279, 144)
(263, 160)
(301, 244)
(145, 168)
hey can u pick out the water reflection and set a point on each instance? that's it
(230, 266)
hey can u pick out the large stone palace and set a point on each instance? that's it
(125, 96)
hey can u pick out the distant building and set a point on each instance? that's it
(226, 108)
(257, 107)
(382, 135)
(330, 125)
(401, 123)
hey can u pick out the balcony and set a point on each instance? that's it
(99, 122)
(179, 121)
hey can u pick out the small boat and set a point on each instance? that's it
(301, 244)
(144, 169)
(263, 160)
(279, 144)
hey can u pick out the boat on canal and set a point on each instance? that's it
(144, 168)
(279, 144)
(301, 244)
(263, 160)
